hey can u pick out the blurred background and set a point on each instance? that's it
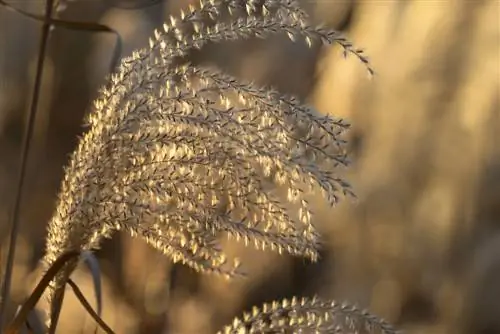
(421, 244)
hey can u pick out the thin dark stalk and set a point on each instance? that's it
(74, 25)
(56, 307)
(37, 293)
(28, 134)
(81, 297)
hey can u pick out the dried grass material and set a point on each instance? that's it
(308, 316)
(170, 156)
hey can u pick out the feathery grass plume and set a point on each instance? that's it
(308, 315)
(176, 154)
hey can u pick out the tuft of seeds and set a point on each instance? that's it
(177, 154)
(308, 315)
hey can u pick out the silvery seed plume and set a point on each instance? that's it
(308, 315)
(177, 154)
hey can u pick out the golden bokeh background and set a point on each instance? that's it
(421, 244)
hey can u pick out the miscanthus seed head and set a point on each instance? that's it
(308, 315)
(177, 154)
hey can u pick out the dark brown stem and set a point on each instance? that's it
(88, 307)
(28, 133)
(54, 269)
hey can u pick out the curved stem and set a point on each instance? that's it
(54, 269)
(88, 307)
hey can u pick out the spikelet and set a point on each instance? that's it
(308, 315)
(177, 154)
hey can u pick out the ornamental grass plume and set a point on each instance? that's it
(177, 154)
(308, 315)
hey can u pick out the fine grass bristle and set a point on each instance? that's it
(175, 154)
